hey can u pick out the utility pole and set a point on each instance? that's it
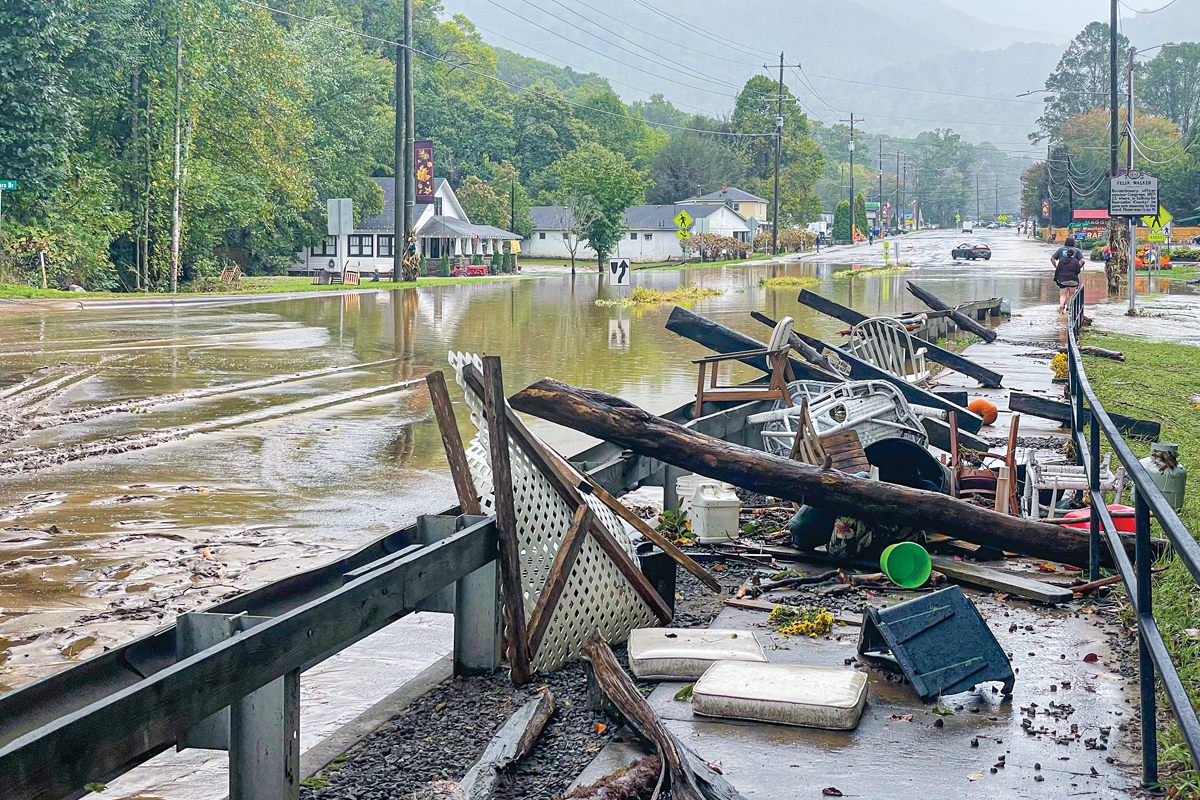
(903, 185)
(899, 208)
(399, 190)
(1113, 136)
(1129, 165)
(852, 120)
(512, 204)
(879, 213)
(997, 198)
(1049, 188)
(176, 219)
(778, 153)
(410, 181)
(976, 196)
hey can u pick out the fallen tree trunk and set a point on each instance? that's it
(607, 417)
(938, 355)
(627, 783)
(1061, 412)
(690, 778)
(960, 319)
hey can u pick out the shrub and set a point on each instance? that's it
(423, 269)
(841, 221)
(444, 266)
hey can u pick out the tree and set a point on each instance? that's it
(611, 181)
(693, 163)
(496, 202)
(1169, 84)
(544, 128)
(861, 224)
(615, 127)
(1080, 82)
(841, 222)
(581, 213)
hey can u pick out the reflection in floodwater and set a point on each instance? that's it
(286, 453)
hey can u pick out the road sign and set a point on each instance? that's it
(1156, 238)
(683, 220)
(1156, 222)
(957, 217)
(618, 272)
(1133, 194)
(683, 233)
(872, 204)
(8, 186)
(341, 216)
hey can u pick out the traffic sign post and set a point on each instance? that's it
(1133, 194)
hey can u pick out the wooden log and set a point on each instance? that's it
(510, 744)
(562, 483)
(960, 319)
(939, 355)
(861, 370)
(1061, 412)
(987, 578)
(556, 581)
(688, 776)
(1092, 350)
(456, 454)
(721, 339)
(607, 417)
(511, 589)
(628, 783)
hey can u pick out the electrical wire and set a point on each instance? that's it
(509, 84)
(925, 91)
(1155, 11)
(747, 49)
(1173, 159)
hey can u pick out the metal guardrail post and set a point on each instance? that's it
(264, 742)
(478, 629)
(1145, 609)
(1097, 500)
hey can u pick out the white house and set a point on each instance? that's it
(748, 205)
(649, 231)
(442, 227)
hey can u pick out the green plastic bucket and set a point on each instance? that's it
(906, 564)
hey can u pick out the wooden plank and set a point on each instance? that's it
(939, 355)
(510, 744)
(1061, 412)
(988, 578)
(940, 543)
(556, 581)
(960, 319)
(511, 588)
(939, 436)
(956, 396)
(456, 454)
(810, 355)
(566, 488)
(722, 339)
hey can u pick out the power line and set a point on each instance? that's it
(747, 49)
(509, 84)
(1155, 11)
(925, 91)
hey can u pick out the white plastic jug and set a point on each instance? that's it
(714, 514)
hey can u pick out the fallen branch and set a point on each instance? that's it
(508, 746)
(960, 319)
(627, 783)
(688, 776)
(607, 417)
(787, 583)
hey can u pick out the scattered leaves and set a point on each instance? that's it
(685, 694)
(599, 728)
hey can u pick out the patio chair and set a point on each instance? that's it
(778, 367)
(888, 345)
(1061, 478)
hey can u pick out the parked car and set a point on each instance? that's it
(972, 252)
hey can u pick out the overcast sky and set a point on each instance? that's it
(1067, 17)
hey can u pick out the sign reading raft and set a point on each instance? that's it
(1133, 194)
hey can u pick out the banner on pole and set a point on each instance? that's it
(423, 170)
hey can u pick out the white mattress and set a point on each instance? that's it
(791, 694)
(668, 654)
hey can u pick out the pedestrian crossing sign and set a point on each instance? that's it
(1159, 221)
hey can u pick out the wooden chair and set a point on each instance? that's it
(778, 366)
(888, 345)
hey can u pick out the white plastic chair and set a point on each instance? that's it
(887, 344)
(1059, 478)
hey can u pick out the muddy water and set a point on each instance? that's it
(258, 484)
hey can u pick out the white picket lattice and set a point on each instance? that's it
(597, 597)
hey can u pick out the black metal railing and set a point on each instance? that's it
(1153, 655)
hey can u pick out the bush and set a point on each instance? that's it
(476, 260)
(841, 222)
(1097, 254)
(444, 266)
(423, 269)
(714, 247)
(1185, 253)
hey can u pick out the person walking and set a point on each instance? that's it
(1068, 262)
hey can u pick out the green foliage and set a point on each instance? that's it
(673, 521)
(610, 180)
(423, 269)
(1168, 85)
(860, 215)
(492, 202)
(694, 163)
(1080, 82)
(444, 266)
(841, 221)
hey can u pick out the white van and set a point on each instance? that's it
(968, 226)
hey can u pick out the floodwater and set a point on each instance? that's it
(260, 475)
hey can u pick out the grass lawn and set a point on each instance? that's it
(1158, 382)
(265, 284)
(1179, 271)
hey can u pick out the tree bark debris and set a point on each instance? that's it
(635, 782)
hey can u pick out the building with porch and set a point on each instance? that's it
(442, 227)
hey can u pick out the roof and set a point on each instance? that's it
(442, 226)
(385, 220)
(726, 193)
(552, 218)
(636, 218)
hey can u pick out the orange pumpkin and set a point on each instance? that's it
(984, 408)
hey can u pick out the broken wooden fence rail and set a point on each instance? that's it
(1061, 412)
(933, 352)
(606, 417)
(960, 319)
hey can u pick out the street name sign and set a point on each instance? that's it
(1133, 194)
(8, 186)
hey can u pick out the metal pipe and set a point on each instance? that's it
(1145, 662)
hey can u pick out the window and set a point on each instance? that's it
(633, 234)
(386, 240)
(362, 244)
(647, 236)
(327, 249)
(542, 235)
(566, 236)
(437, 206)
(737, 206)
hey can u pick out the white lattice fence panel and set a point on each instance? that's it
(597, 596)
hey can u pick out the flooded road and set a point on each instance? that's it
(295, 434)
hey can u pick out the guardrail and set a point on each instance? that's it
(1152, 650)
